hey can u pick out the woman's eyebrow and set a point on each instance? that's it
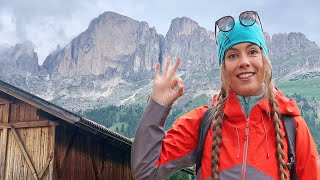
(249, 45)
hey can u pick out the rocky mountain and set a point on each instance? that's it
(112, 46)
(112, 62)
(292, 54)
(19, 59)
(283, 45)
(194, 44)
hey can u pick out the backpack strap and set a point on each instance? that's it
(202, 133)
(290, 128)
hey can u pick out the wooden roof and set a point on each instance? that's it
(66, 115)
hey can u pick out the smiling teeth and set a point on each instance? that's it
(246, 75)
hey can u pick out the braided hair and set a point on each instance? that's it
(275, 115)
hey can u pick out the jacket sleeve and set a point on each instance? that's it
(307, 157)
(155, 154)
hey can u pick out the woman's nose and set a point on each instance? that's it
(244, 61)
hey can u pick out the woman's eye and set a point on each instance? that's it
(253, 52)
(232, 56)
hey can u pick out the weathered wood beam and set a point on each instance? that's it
(52, 135)
(3, 101)
(44, 168)
(7, 98)
(4, 141)
(28, 124)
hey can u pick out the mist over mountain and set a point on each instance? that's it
(19, 59)
(112, 62)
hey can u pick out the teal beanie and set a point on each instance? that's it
(240, 34)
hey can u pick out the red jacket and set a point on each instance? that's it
(156, 154)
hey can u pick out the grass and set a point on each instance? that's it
(308, 88)
(194, 103)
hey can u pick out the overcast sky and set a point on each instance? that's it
(48, 23)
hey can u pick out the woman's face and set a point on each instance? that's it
(244, 69)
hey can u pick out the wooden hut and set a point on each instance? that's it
(39, 140)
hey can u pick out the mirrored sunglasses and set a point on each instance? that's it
(226, 23)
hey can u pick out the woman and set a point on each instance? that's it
(247, 138)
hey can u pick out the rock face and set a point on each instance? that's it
(284, 45)
(292, 53)
(194, 44)
(19, 59)
(118, 46)
(113, 45)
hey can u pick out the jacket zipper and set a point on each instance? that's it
(245, 152)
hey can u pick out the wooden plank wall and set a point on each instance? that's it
(32, 147)
(81, 155)
(27, 142)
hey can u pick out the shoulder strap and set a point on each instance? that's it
(202, 133)
(290, 128)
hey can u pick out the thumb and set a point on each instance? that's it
(180, 91)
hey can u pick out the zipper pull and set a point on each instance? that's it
(247, 129)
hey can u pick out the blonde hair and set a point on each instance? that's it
(273, 113)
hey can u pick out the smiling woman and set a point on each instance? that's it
(247, 139)
(244, 69)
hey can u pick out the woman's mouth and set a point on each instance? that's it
(245, 75)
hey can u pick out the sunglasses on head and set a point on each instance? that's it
(226, 23)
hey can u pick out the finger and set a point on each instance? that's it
(180, 90)
(174, 82)
(175, 67)
(156, 75)
(166, 66)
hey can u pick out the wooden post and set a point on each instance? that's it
(4, 141)
(52, 136)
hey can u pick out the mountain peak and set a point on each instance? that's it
(183, 26)
(110, 16)
(113, 15)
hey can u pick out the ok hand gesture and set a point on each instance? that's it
(167, 87)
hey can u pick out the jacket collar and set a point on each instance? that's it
(234, 110)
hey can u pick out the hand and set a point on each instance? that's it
(167, 87)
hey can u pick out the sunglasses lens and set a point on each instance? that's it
(248, 18)
(226, 23)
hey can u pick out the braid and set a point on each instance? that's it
(279, 136)
(218, 119)
(275, 116)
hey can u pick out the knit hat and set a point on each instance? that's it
(240, 34)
